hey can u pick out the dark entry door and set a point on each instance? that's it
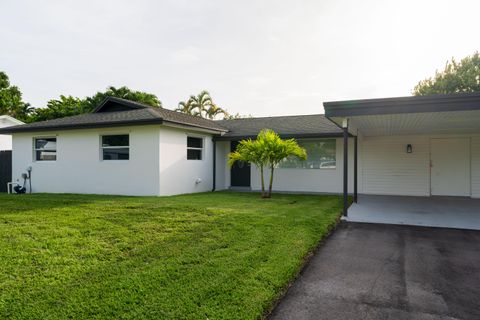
(240, 172)
(5, 169)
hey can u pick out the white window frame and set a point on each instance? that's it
(202, 149)
(114, 147)
(35, 148)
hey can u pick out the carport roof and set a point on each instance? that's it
(399, 105)
(436, 114)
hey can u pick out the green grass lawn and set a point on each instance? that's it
(218, 255)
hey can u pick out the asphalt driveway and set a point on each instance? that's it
(374, 271)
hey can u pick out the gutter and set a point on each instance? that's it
(21, 128)
(285, 136)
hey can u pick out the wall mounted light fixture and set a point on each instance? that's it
(409, 148)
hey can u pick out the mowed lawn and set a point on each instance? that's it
(217, 255)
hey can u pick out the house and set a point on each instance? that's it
(6, 140)
(410, 146)
(122, 147)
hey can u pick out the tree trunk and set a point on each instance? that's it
(263, 183)
(271, 182)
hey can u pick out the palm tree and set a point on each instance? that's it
(187, 107)
(201, 105)
(214, 110)
(267, 150)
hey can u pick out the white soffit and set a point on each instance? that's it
(449, 122)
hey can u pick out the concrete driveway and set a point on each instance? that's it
(443, 212)
(375, 271)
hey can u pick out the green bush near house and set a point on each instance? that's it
(218, 255)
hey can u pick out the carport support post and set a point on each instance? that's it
(345, 167)
(355, 169)
(214, 164)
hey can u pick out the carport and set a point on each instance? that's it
(416, 159)
(443, 212)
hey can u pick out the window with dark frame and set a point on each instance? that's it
(321, 154)
(115, 147)
(45, 149)
(194, 148)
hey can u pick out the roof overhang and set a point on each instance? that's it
(283, 136)
(10, 120)
(439, 114)
(19, 129)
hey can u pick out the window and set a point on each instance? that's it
(194, 148)
(45, 149)
(321, 154)
(115, 147)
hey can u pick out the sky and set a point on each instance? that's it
(261, 58)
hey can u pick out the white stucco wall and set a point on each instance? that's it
(79, 168)
(222, 169)
(177, 174)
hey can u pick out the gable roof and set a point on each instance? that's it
(113, 112)
(303, 126)
(7, 121)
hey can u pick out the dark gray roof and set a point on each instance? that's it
(114, 112)
(398, 105)
(132, 113)
(315, 125)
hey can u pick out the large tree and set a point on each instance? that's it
(268, 150)
(59, 108)
(201, 105)
(457, 77)
(11, 102)
(124, 93)
(69, 106)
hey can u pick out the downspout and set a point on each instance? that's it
(355, 169)
(214, 164)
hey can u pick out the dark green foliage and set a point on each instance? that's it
(200, 256)
(64, 107)
(11, 102)
(457, 77)
(70, 106)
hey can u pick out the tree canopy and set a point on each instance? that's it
(11, 102)
(69, 106)
(457, 77)
(267, 150)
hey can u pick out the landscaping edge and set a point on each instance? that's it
(305, 261)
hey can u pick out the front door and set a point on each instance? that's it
(240, 172)
(5, 169)
(450, 167)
